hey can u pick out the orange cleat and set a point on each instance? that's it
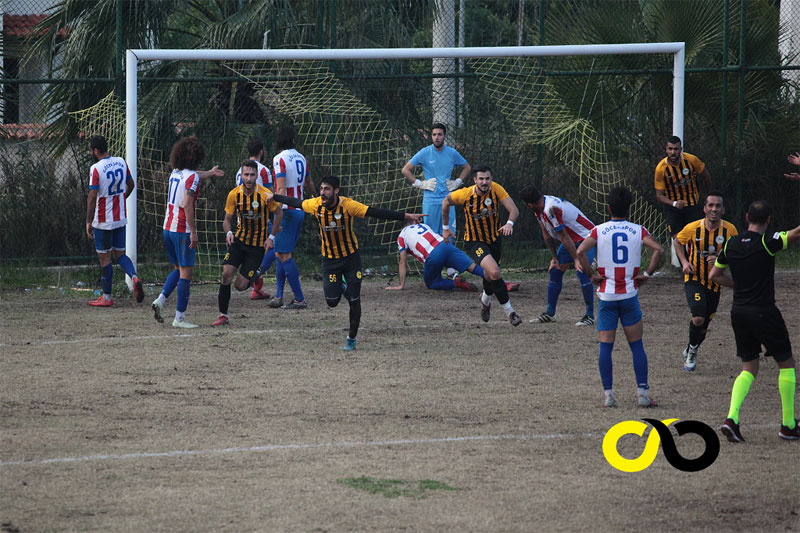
(101, 302)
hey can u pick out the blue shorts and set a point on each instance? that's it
(177, 245)
(564, 257)
(433, 208)
(106, 239)
(626, 311)
(444, 255)
(286, 239)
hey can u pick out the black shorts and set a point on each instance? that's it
(244, 256)
(702, 300)
(336, 270)
(477, 250)
(678, 218)
(754, 326)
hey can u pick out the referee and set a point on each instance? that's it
(755, 319)
(341, 260)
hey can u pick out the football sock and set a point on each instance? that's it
(161, 298)
(786, 386)
(170, 283)
(293, 276)
(269, 258)
(696, 334)
(127, 265)
(605, 364)
(488, 288)
(355, 318)
(486, 299)
(639, 363)
(180, 315)
(224, 298)
(477, 270)
(507, 308)
(588, 292)
(500, 291)
(741, 386)
(554, 289)
(183, 294)
(106, 276)
(280, 275)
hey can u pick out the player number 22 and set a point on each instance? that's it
(113, 175)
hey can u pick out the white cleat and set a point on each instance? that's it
(185, 324)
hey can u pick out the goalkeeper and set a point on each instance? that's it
(437, 162)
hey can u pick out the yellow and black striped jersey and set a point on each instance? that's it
(680, 182)
(253, 212)
(481, 211)
(336, 225)
(700, 243)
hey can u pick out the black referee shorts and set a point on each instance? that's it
(754, 326)
(334, 271)
(477, 250)
(244, 256)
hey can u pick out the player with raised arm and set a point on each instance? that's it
(180, 228)
(110, 184)
(253, 204)
(428, 247)
(291, 176)
(561, 221)
(341, 260)
(755, 318)
(483, 234)
(619, 255)
(696, 247)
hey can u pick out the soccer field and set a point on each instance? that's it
(110, 421)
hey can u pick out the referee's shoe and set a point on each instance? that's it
(790, 434)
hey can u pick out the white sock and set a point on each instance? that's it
(162, 299)
(106, 297)
(609, 392)
(486, 299)
(507, 307)
(641, 392)
(180, 316)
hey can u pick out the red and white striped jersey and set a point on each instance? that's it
(560, 214)
(619, 258)
(108, 177)
(263, 178)
(180, 181)
(419, 240)
(291, 165)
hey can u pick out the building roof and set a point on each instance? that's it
(22, 25)
(22, 132)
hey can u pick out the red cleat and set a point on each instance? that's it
(258, 294)
(512, 287)
(258, 283)
(464, 285)
(221, 321)
(138, 291)
(101, 302)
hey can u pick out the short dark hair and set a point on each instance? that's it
(619, 200)
(714, 193)
(333, 181)
(674, 139)
(285, 138)
(249, 163)
(530, 194)
(187, 153)
(758, 212)
(481, 168)
(98, 142)
(439, 126)
(254, 146)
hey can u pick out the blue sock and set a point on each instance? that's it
(170, 283)
(639, 364)
(127, 265)
(106, 276)
(604, 362)
(183, 294)
(553, 290)
(478, 271)
(280, 274)
(269, 258)
(293, 276)
(588, 292)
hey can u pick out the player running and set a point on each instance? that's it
(619, 255)
(110, 184)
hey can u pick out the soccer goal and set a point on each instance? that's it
(362, 113)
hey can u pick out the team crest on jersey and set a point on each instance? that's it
(719, 239)
(337, 216)
(358, 274)
(487, 202)
(255, 204)
(685, 171)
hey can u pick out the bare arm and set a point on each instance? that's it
(661, 197)
(680, 252)
(227, 227)
(280, 186)
(203, 175)
(583, 258)
(408, 172)
(129, 186)
(706, 175)
(269, 242)
(402, 270)
(465, 172)
(91, 203)
(309, 184)
(720, 276)
(188, 209)
(655, 260)
(446, 232)
(513, 214)
(793, 235)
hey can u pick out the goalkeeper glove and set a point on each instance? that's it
(428, 185)
(453, 184)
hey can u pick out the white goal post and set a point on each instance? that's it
(132, 58)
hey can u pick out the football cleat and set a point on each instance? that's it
(644, 400)
(512, 287)
(544, 318)
(464, 285)
(349, 344)
(158, 310)
(258, 283)
(294, 304)
(276, 303)
(485, 311)
(184, 324)
(102, 302)
(731, 430)
(221, 321)
(138, 290)
(609, 400)
(258, 294)
(514, 319)
(587, 320)
(690, 358)
(790, 434)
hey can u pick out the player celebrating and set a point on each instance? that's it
(110, 184)
(253, 204)
(180, 229)
(482, 204)
(255, 150)
(341, 260)
(755, 319)
(429, 247)
(291, 175)
(696, 247)
(560, 220)
(619, 254)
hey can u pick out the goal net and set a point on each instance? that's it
(596, 112)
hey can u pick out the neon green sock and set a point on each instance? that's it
(786, 384)
(740, 389)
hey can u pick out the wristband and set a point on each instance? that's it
(271, 237)
(675, 203)
(510, 222)
(645, 274)
(230, 232)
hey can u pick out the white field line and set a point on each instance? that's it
(299, 446)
